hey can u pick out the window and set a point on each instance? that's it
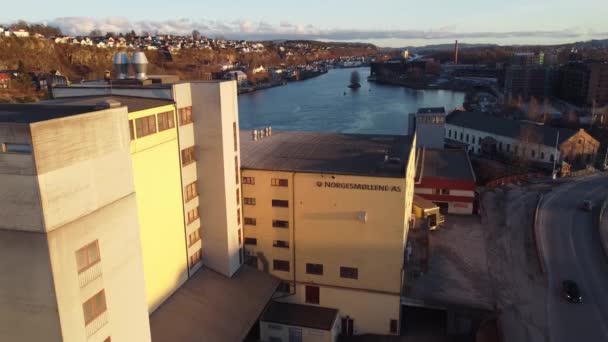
(314, 269)
(552, 158)
(278, 182)
(349, 272)
(165, 121)
(284, 287)
(445, 191)
(250, 221)
(238, 197)
(467, 137)
(393, 326)
(240, 237)
(280, 265)
(312, 294)
(249, 180)
(94, 307)
(131, 132)
(236, 144)
(542, 155)
(280, 224)
(240, 256)
(508, 147)
(280, 244)
(238, 216)
(188, 156)
(251, 241)
(249, 201)
(145, 126)
(194, 237)
(500, 146)
(193, 215)
(191, 191)
(185, 115)
(280, 203)
(195, 258)
(236, 169)
(87, 256)
(460, 136)
(533, 153)
(478, 140)
(16, 148)
(436, 191)
(450, 133)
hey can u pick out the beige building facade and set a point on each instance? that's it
(71, 264)
(336, 239)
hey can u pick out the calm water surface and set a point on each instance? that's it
(326, 104)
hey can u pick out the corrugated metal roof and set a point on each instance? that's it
(349, 154)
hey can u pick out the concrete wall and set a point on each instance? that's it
(77, 156)
(268, 329)
(156, 171)
(120, 274)
(215, 109)
(370, 311)
(20, 207)
(28, 308)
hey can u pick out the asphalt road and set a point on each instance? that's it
(571, 249)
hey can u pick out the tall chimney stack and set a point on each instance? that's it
(456, 52)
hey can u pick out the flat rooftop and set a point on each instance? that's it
(58, 108)
(212, 307)
(452, 164)
(299, 315)
(337, 153)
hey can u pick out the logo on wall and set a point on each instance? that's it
(356, 186)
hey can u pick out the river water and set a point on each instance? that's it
(326, 104)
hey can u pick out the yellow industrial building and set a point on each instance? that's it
(120, 200)
(328, 214)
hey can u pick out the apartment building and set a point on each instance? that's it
(328, 214)
(170, 151)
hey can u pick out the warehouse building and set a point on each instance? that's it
(446, 177)
(129, 196)
(328, 214)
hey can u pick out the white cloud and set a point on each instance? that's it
(246, 29)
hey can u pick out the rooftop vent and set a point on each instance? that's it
(140, 65)
(121, 65)
(107, 104)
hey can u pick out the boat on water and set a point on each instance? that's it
(355, 80)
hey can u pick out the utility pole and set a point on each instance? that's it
(555, 158)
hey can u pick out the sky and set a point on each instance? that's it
(391, 23)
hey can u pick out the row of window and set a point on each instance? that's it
(275, 243)
(86, 257)
(430, 119)
(499, 147)
(194, 237)
(193, 215)
(146, 125)
(191, 191)
(250, 221)
(282, 182)
(188, 156)
(316, 269)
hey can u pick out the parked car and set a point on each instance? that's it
(571, 292)
(586, 205)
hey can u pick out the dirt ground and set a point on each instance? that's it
(489, 262)
(519, 287)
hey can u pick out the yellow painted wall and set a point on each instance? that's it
(371, 312)
(156, 170)
(264, 213)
